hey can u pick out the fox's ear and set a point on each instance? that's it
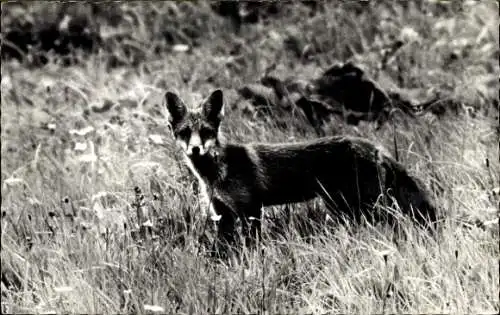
(213, 105)
(175, 106)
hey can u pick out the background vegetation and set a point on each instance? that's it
(99, 216)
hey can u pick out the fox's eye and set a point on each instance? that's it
(206, 133)
(184, 133)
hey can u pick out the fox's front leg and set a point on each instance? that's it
(226, 226)
(206, 204)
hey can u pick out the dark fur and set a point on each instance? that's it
(350, 174)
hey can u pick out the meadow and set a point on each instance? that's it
(99, 215)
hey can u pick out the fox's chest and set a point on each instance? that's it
(234, 185)
(207, 192)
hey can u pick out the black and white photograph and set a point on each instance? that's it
(250, 157)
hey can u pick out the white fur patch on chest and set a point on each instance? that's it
(205, 196)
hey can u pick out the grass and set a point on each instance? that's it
(70, 164)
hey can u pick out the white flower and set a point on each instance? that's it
(13, 181)
(63, 289)
(6, 83)
(408, 34)
(80, 146)
(180, 48)
(156, 139)
(154, 308)
(87, 158)
(82, 132)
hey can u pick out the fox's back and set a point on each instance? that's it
(299, 171)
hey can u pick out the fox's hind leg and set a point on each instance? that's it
(251, 225)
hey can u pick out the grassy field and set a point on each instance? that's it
(86, 158)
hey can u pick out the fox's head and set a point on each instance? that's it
(196, 131)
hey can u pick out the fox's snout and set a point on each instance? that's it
(195, 146)
(200, 149)
(195, 151)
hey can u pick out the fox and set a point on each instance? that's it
(236, 181)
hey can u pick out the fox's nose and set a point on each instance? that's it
(195, 150)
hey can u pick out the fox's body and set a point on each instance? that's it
(236, 180)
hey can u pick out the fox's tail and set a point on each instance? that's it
(411, 194)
